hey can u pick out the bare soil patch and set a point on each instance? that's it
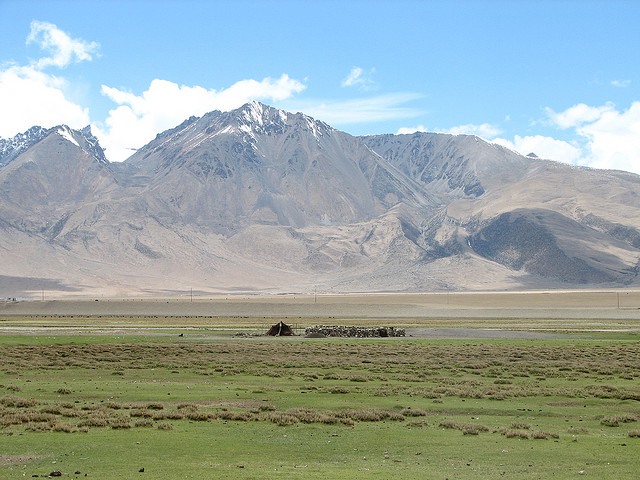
(534, 304)
(477, 333)
(13, 460)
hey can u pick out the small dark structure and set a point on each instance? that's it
(280, 329)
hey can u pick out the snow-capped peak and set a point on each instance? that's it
(258, 114)
(254, 112)
(256, 118)
(84, 139)
(10, 148)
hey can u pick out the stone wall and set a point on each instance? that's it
(360, 332)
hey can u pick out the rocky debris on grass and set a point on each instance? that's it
(315, 335)
(351, 331)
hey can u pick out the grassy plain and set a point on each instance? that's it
(503, 386)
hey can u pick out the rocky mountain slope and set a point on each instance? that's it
(258, 199)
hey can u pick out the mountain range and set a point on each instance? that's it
(262, 200)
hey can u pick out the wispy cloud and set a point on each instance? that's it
(484, 130)
(63, 50)
(359, 77)
(378, 108)
(621, 83)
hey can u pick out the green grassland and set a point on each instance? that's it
(105, 404)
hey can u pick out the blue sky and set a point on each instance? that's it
(559, 78)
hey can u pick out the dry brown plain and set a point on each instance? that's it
(469, 315)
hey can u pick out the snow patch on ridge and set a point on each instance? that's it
(66, 134)
(313, 125)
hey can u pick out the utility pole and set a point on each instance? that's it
(191, 294)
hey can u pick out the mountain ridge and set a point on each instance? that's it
(259, 199)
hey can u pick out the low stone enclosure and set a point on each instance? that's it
(320, 331)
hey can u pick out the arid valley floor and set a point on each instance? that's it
(471, 315)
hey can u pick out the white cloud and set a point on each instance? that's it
(138, 118)
(410, 130)
(29, 96)
(604, 137)
(63, 49)
(577, 115)
(358, 77)
(613, 139)
(544, 147)
(599, 136)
